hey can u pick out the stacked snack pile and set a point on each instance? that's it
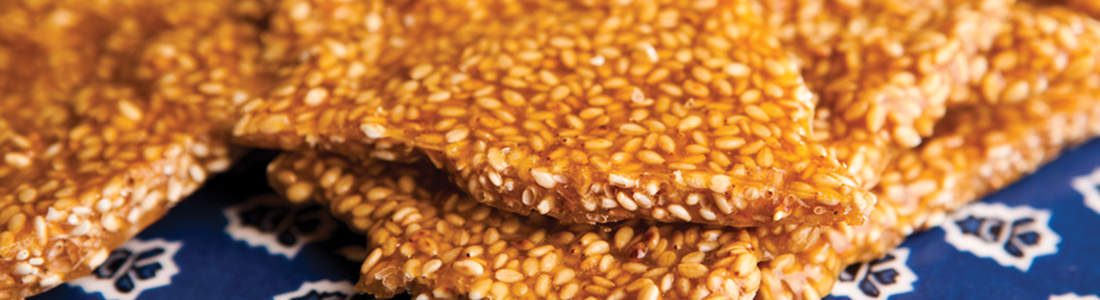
(500, 149)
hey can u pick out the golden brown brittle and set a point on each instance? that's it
(982, 148)
(426, 236)
(886, 71)
(101, 135)
(647, 110)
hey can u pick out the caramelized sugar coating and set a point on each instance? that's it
(664, 111)
(888, 70)
(101, 135)
(1089, 7)
(980, 149)
(985, 143)
(426, 236)
(335, 48)
(1008, 139)
(808, 274)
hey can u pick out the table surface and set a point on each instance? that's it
(232, 240)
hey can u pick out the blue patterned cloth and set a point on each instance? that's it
(231, 240)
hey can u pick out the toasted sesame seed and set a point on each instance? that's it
(17, 160)
(315, 96)
(457, 135)
(737, 69)
(679, 212)
(543, 178)
(650, 157)
(469, 267)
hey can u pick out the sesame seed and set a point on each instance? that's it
(129, 110)
(543, 178)
(737, 69)
(650, 52)
(420, 71)
(597, 60)
(457, 135)
(679, 212)
(17, 160)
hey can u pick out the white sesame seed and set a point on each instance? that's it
(23, 269)
(643, 200)
(373, 22)
(134, 215)
(110, 223)
(723, 205)
(315, 96)
(690, 123)
(82, 228)
(626, 202)
(17, 160)
(779, 215)
(129, 110)
(457, 134)
(650, 52)
(707, 214)
(597, 60)
(102, 205)
(528, 197)
(175, 190)
(50, 280)
(620, 180)
(469, 267)
(197, 173)
(544, 207)
(218, 165)
(736, 69)
(692, 199)
(679, 212)
(374, 131)
(652, 188)
(37, 261)
(494, 177)
(637, 96)
(608, 203)
(543, 178)
(40, 229)
(439, 96)
(720, 183)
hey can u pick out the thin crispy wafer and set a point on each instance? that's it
(89, 159)
(593, 114)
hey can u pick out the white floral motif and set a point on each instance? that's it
(276, 225)
(878, 279)
(1073, 296)
(1089, 187)
(321, 290)
(1010, 236)
(133, 268)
